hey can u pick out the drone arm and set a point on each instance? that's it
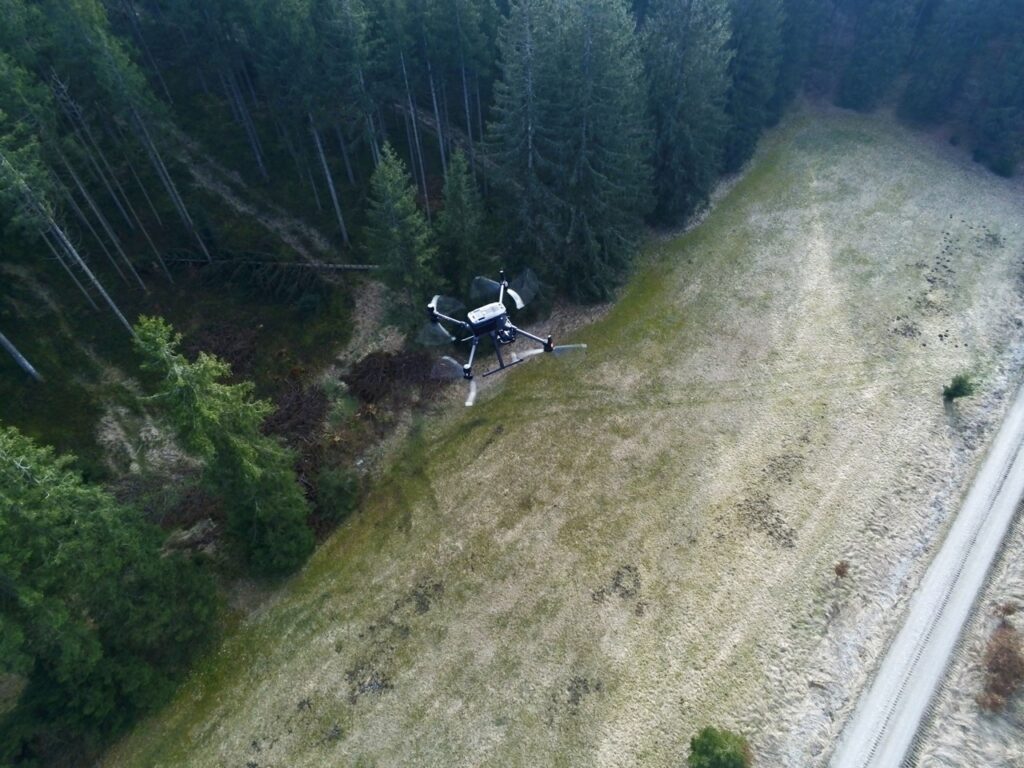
(468, 367)
(436, 316)
(546, 342)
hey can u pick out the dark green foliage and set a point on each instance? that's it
(398, 238)
(757, 46)
(884, 36)
(801, 28)
(522, 144)
(687, 55)
(96, 620)
(337, 493)
(569, 140)
(960, 386)
(603, 141)
(250, 472)
(718, 748)
(460, 227)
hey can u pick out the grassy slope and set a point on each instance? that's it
(600, 558)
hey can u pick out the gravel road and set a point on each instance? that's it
(885, 723)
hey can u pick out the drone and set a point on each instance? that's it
(490, 320)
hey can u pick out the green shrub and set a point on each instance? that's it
(714, 748)
(960, 386)
(337, 493)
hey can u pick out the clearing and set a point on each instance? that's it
(603, 556)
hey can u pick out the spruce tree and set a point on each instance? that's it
(460, 226)
(603, 144)
(802, 24)
(253, 474)
(95, 620)
(398, 238)
(687, 55)
(884, 36)
(757, 45)
(522, 151)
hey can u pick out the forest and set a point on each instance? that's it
(429, 140)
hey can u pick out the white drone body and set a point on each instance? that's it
(489, 320)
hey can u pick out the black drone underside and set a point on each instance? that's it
(489, 320)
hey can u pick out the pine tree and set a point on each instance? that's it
(94, 619)
(522, 151)
(603, 144)
(884, 36)
(398, 238)
(253, 474)
(687, 55)
(937, 73)
(801, 28)
(460, 226)
(757, 42)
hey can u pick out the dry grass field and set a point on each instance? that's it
(604, 555)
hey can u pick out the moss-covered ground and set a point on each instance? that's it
(604, 555)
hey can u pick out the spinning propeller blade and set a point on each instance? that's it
(484, 289)
(447, 368)
(531, 353)
(569, 349)
(446, 305)
(434, 335)
(526, 286)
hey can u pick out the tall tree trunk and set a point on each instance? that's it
(62, 239)
(47, 224)
(312, 186)
(416, 136)
(437, 119)
(469, 120)
(104, 224)
(145, 194)
(344, 155)
(92, 230)
(19, 358)
(330, 181)
(245, 118)
(168, 182)
(75, 280)
(129, 10)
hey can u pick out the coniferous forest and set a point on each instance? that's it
(431, 140)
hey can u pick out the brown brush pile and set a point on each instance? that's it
(1004, 667)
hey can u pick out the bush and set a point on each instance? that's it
(960, 386)
(715, 748)
(337, 493)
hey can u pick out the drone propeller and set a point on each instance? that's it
(484, 289)
(433, 334)
(526, 286)
(563, 350)
(448, 369)
(520, 290)
(446, 305)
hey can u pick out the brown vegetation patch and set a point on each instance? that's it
(760, 513)
(624, 584)
(1004, 667)
(236, 345)
(299, 416)
(395, 378)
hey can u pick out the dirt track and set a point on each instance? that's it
(600, 558)
(887, 718)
